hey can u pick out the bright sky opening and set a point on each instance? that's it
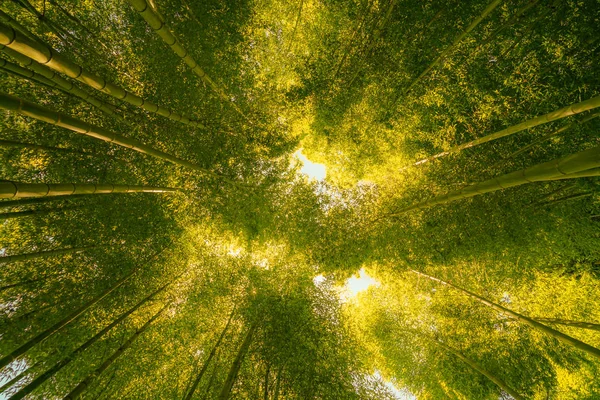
(309, 168)
(354, 285)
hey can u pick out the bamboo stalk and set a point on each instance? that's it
(14, 40)
(158, 25)
(213, 351)
(553, 134)
(57, 81)
(497, 381)
(79, 389)
(37, 200)
(55, 118)
(43, 254)
(572, 166)
(237, 363)
(13, 355)
(15, 190)
(491, 7)
(38, 381)
(531, 322)
(574, 324)
(564, 112)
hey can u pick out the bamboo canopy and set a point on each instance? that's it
(16, 41)
(577, 165)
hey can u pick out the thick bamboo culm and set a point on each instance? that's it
(39, 71)
(55, 118)
(564, 112)
(14, 190)
(158, 25)
(529, 321)
(573, 166)
(14, 40)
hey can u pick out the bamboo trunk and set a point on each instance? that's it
(24, 73)
(14, 190)
(79, 389)
(35, 200)
(18, 377)
(55, 80)
(43, 254)
(543, 119)
(296, 25)
(65, 361)
(158, 25)
(266, 388)
(553, 134)
(499, 382)
(62, 323)
(212, 378)
(237, 363)
(55, 118)
(572, 166)
(277, 384)
(212, 353)
(51, 58)
(531, 322)
(574, 324)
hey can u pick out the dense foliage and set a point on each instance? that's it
(159, 240)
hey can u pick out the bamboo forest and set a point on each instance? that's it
(300, 199)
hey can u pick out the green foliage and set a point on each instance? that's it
(258, 243)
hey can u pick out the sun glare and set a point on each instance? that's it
(354, 285)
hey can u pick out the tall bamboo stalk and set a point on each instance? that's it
(43, 254)
(449, 49)
(237, 363)
(24, 72)
(553, 134)
(296, 25)
(36, 200)
(56, 327)
(14, 40)
(567, 111)
(572, 166)
(213, 351)
(55, 118)
(158, 25)
(14, 190)
(55, 80)
(529, 321)
(24, 391)
(566, 322)
(79, 389)
(499, 382)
